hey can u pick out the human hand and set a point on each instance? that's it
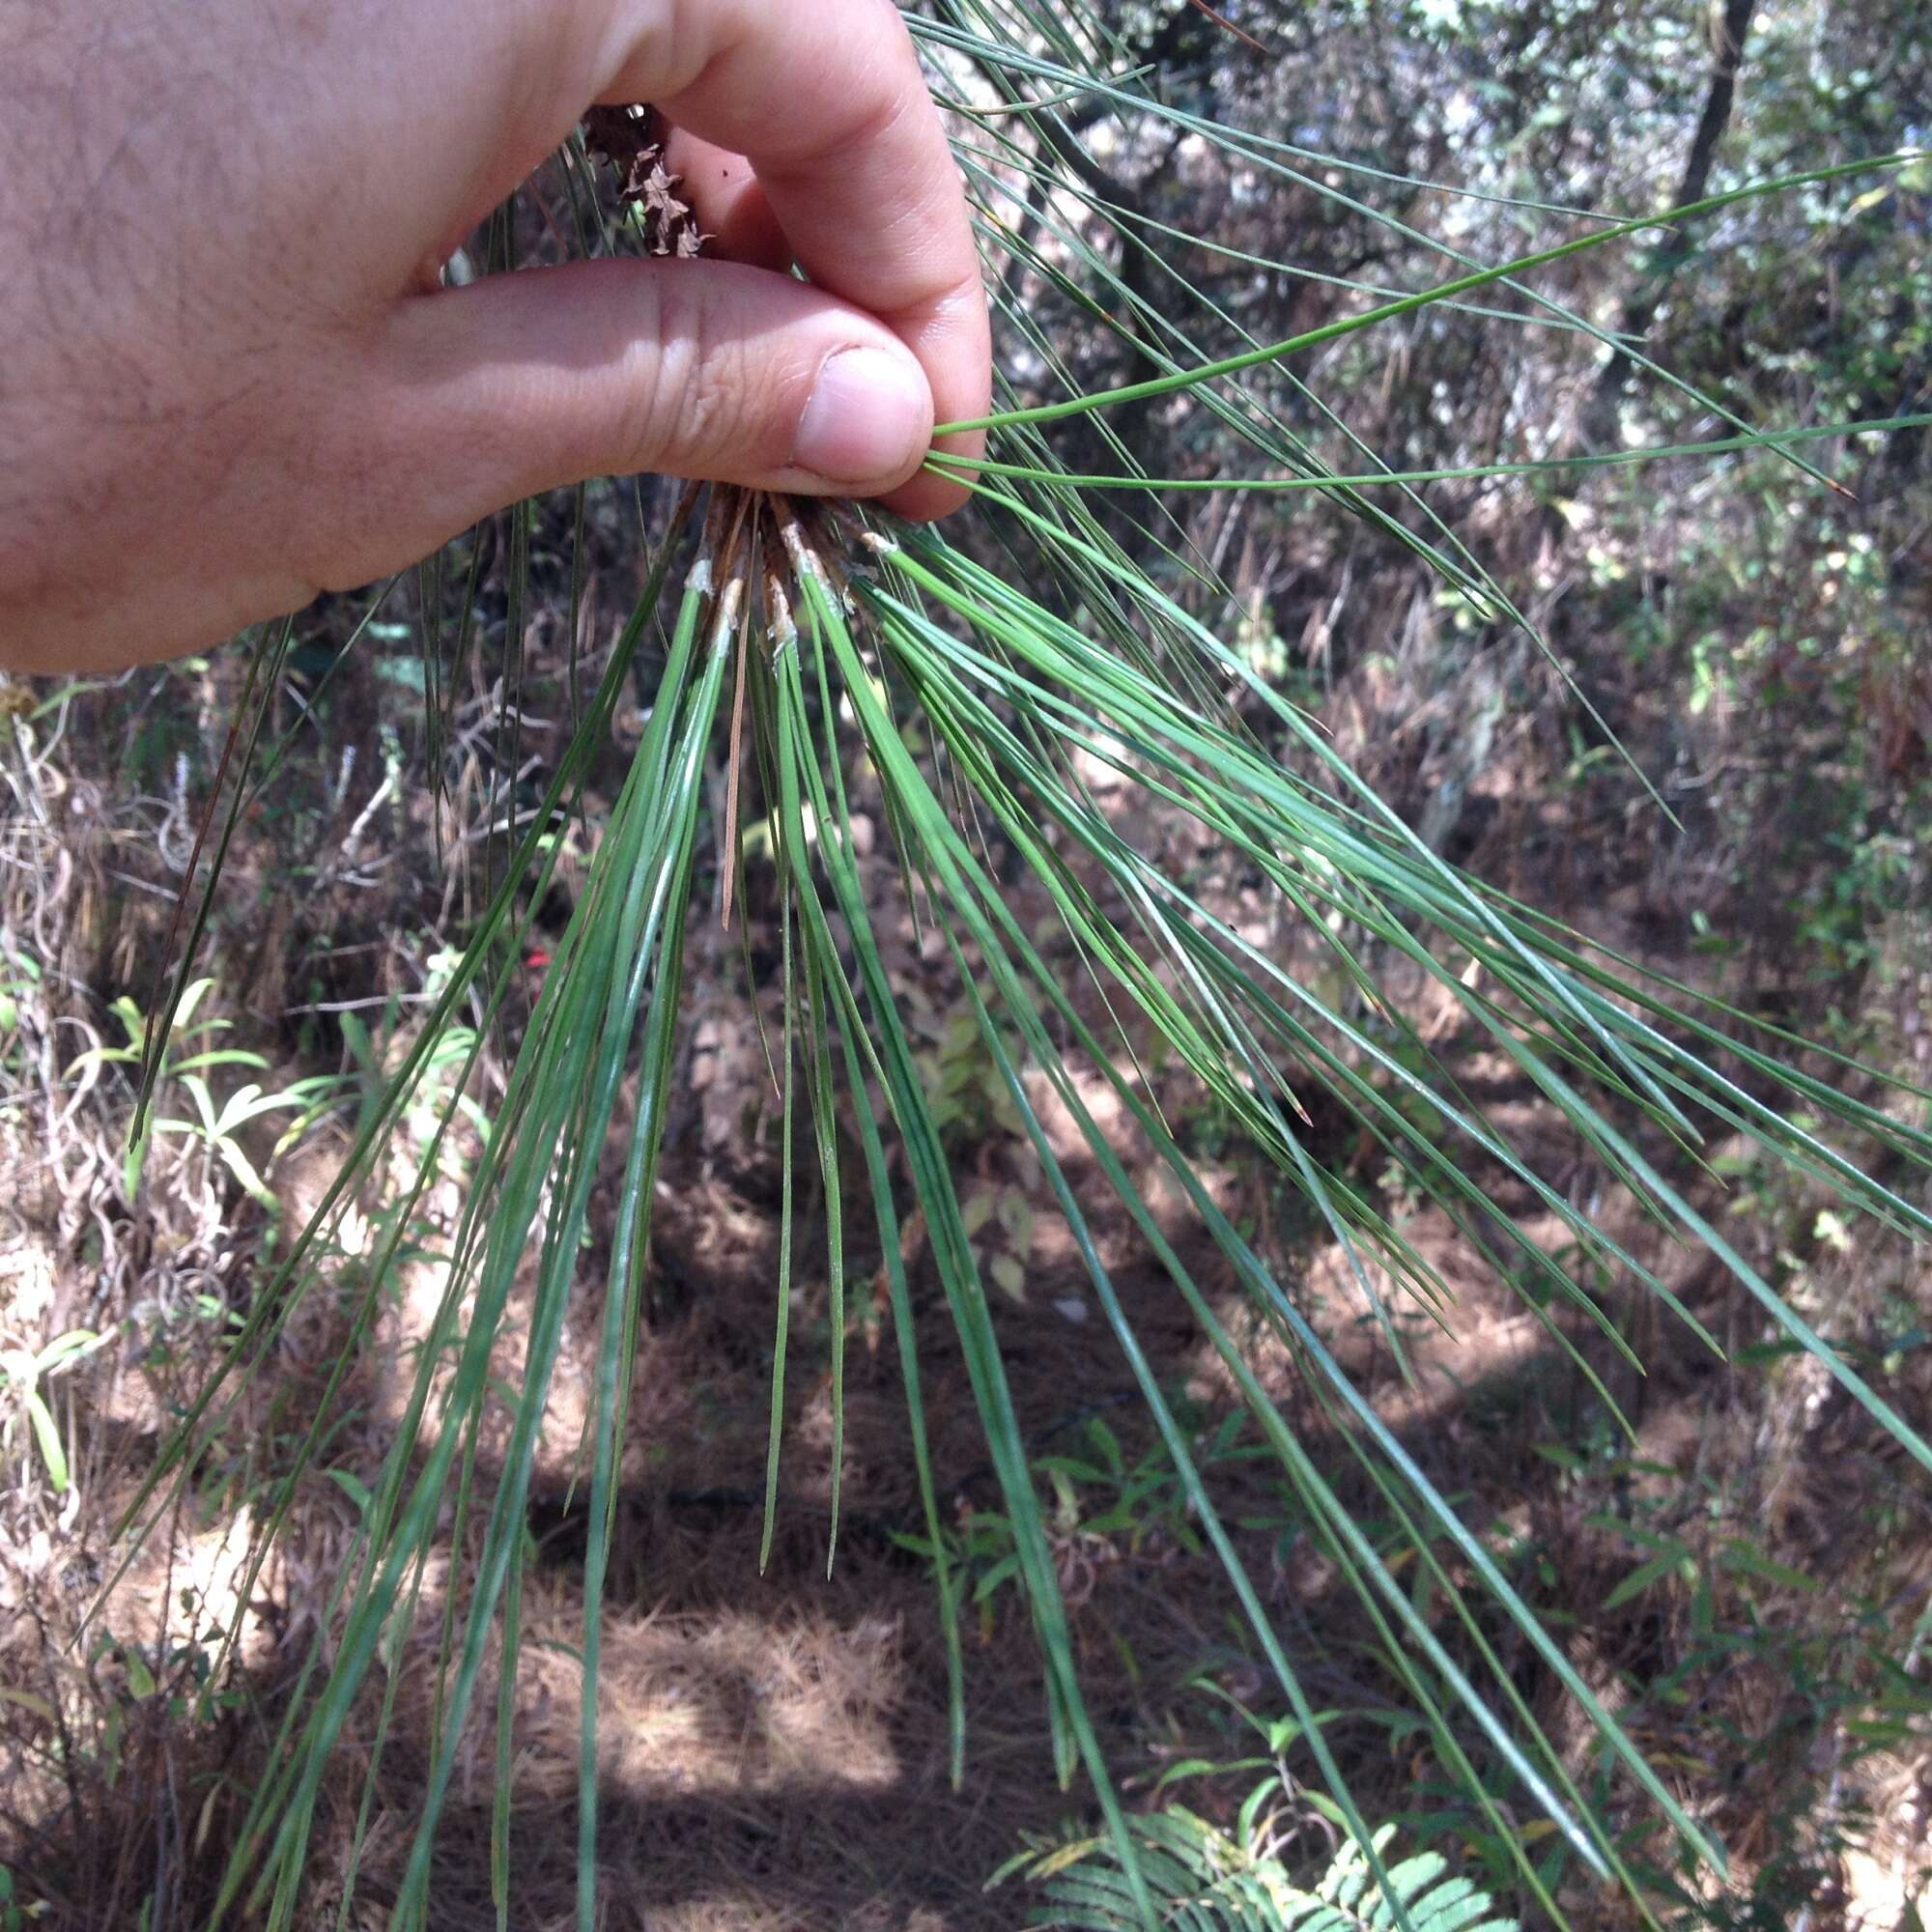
(229, 378)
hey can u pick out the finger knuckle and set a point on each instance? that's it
(694, 392)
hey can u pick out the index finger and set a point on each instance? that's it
(826, 100)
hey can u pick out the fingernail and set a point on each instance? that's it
(868, 418)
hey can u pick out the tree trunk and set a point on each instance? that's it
(1600, 425)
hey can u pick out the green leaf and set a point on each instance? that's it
(352, 1487)
(1753, 1562)
(1647, 1576)
(53, 1452)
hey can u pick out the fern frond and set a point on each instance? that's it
(1205, 1881)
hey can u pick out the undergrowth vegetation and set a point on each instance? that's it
(1213, 1187)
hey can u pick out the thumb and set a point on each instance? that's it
(523, 383)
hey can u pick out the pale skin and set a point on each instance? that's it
(230, 379)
